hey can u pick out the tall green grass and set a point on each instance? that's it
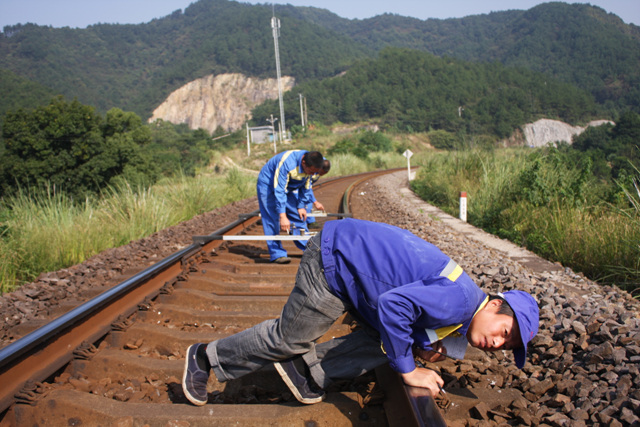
(45, 231)
(542, 202)
(443, 175)
(348, 164)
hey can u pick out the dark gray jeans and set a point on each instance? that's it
(308, 313)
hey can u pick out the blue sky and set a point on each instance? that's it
(80, 13)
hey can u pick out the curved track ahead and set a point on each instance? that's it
(118, 359)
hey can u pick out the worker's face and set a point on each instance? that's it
(490, 331)
(308, 169)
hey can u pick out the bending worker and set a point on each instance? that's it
(410, 298)
(284, 173)
(297, 223)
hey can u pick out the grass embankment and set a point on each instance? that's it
(543, 202)
(45, 231)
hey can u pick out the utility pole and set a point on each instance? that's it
(248, 141)
(302, 121)
(306, 119)
(275, 26)
(273, 131)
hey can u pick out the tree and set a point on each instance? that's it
(614, 150)
(70, 146)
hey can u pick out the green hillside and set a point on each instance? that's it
(576, 43)
(19, 92)
(135, 67)
(416, 91)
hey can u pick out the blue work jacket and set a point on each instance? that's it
(404, 287)
(311, 198)
(283, 173)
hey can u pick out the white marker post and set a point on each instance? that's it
(463, 206)
(248, 141)
(408, 154)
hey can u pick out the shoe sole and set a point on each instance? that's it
(293, 389)
(188, 395)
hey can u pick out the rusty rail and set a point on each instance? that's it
(39, 354)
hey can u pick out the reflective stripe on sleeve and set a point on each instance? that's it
(452, 271)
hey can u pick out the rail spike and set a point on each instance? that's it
(146, 304)
(85, 351)
(168, 288)
(30, 392)
(122, 323)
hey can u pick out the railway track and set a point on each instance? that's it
(118, 358)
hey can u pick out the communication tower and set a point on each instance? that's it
(275, 26)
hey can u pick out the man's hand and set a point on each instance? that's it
(285, 224)
(425, 378)
(303, 214)
(318, 206)
(436, 355)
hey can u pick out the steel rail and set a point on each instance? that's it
(58, 339)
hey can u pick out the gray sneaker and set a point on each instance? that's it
(194, 379)
(298, 384)
(282, 260)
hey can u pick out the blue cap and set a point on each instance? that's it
(527, 314)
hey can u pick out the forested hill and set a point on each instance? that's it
(576, 43)
(417, 91)
(134, 67)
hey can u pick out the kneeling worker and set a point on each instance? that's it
(408, 295)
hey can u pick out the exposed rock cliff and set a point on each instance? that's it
(545, 131)
(224, 100)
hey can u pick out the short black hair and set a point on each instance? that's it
(505, 308)
(313, 159)
(326, 166)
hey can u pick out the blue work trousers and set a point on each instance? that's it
(308, 313)
(270, 221)
(298, 226)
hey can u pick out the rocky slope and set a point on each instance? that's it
(546, 131)
(224, 100)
